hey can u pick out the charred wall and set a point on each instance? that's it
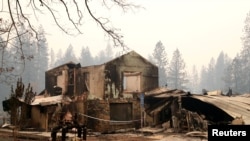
(94, 81)
(101, 110)
(68, 77)
(52, 79)
(39, 119)
(130, 63)
(50, 82)
(112, 81)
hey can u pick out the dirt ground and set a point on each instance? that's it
(7, 135)
(140, 137)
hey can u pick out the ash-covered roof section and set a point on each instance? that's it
(163, 92)
(51, 100)
(69, 64)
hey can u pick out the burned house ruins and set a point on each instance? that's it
(106, 98)
(114, 88)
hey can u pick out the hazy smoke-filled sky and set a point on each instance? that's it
(200, 29)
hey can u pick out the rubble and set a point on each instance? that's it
(185, 112)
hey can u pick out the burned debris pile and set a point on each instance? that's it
(186, 112)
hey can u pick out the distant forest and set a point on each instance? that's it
(221, 73)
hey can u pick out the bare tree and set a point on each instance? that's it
(17, 13)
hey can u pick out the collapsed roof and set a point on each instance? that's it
(217, 109)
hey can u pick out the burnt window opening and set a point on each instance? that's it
(86, 81)
(121, 111)
(71, 83)
(71, 77)
(6, 105)
(60, 80)
(70, 91)
(42, 109)
(57, 90)
(132, 81)
(28, 114)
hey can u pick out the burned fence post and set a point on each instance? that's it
(79, 131)
(54, 132)
(84, 137)
(64, 131)
(82, 132)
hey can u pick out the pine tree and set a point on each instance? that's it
(5, 64)
(104, 55)
(42, 60)
(52, 59)
(177, 76)
(203, 78)
(59, 58)
(100, 58)
(219, 71)
(230, 76)
(245, 55)
(160, 58)
(194, 80)
(86, 58)
(27, 66)
(211, 75)
(69, 55)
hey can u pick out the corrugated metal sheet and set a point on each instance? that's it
(236, 106)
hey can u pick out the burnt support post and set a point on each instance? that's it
(53, 135)
(79, 132)
(84, 137)
(64, 131)
(54, 132)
